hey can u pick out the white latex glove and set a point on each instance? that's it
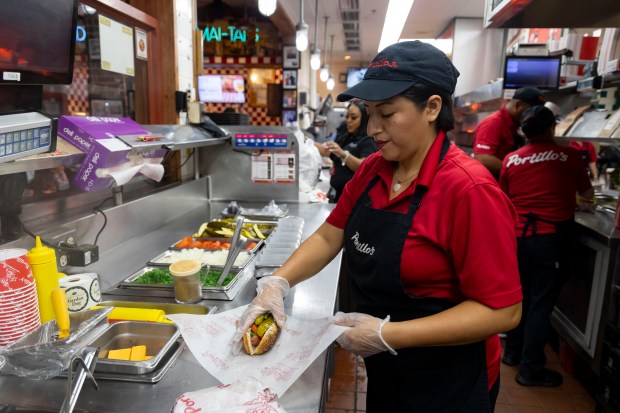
(364, 338)
(270, 295)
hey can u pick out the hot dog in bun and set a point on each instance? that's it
(262, 336)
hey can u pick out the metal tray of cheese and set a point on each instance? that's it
(129, 282)
(157, 337)
(164, 259)
(152, 377)
(259, 244)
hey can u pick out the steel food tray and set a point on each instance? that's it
(164, 259)
(158, 338)
(259, 244)
(208, 293)
(129, 282)
(152, 377)
(168, 308)
(256, 213)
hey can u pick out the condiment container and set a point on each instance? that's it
(43, 264)
(186, 281)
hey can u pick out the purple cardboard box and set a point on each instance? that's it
(96, 136)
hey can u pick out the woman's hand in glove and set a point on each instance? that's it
(364, 338)
(270, 298)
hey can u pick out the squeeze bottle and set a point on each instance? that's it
(43, 264)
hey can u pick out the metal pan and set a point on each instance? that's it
(259, 244)
(168, 308)
(158, 338)
(215, 258)
(130, 282)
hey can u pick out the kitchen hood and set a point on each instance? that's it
(552, 13)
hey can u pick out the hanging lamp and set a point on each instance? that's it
(330, 79)
(267, 7)
(315, 56)
(324, 73)
(301, 30)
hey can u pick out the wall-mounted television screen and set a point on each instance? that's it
(221, 89)
(355, 75)
(542, 72)
(37, 41)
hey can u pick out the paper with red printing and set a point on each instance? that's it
(248, 396)
(299, 344)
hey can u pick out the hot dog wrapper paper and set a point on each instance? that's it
(299, 344)
(247, 396)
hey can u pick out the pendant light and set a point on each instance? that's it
(267, 7)
(330, 80)
(324, 73)
(315, 57)
(301, 30)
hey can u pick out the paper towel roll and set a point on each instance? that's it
(82, 290)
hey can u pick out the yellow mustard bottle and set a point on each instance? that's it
(43, 264)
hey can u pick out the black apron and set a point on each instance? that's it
(422, 379)
(566, 238)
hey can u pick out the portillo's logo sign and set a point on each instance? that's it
(234, 34)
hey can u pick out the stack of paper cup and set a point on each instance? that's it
(19, 308)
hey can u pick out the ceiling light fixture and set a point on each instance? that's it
(324, 73)
(330, 80)
(301, 30)
(395, 18)
(267, 7)
(315, 57)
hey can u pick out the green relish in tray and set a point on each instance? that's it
(162, 276)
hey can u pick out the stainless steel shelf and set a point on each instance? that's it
(70, 156)
(566, 139)
(177, 137)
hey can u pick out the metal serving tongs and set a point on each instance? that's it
(236, 245)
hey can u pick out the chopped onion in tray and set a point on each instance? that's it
(214, 258)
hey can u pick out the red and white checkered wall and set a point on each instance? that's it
(258, 115)
(77, 96)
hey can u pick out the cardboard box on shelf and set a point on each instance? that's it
(98, 138)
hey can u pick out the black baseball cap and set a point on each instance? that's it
(400, 66)
(530, 95)
(536, 120)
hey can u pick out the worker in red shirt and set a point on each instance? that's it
(542, 180)
(431, 288)
(497, 134)
(588, 156)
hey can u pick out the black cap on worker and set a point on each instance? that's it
(400, 66)
(536, 121)
(530, 95)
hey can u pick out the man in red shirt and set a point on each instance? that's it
(588, 156)
(541, 179)
(497, 134)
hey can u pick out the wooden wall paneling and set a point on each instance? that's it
(163, 11)
(129, 14)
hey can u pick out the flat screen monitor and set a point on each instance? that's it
(542, 72)
(326, 105)
(355, 75)
(221, 89)
(37, 41)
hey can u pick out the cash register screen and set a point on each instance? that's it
(261, 140)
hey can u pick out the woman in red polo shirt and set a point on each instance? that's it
(431, 285)
(541, 179)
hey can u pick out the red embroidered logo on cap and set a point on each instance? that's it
(383, 63)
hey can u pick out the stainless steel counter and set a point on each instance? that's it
(600, 225)
(311, 299)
